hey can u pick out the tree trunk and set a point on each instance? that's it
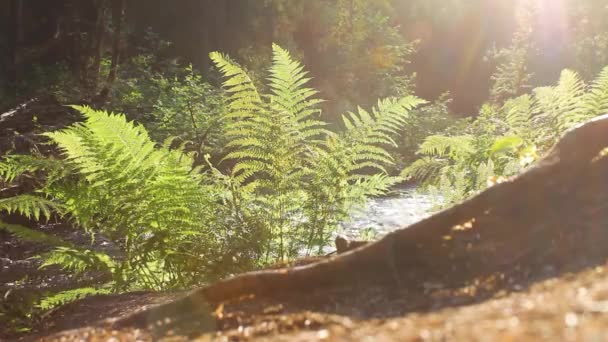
(15, 39)
(118, 13)
(78, 58)
(97, 50)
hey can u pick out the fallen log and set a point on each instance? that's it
(525, 217)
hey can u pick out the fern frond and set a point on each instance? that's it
(13, 166)
(367, 134)
(561, 105)
(518, 114)
(68, 296)
(287, 80)
(29, 206)
(442, 146)
(595, 101)
(126, 186)
(244, 100)
(424, 168)
(505, 144)
(375, 185)
(77, 260)
(484, 171)
(32, 235)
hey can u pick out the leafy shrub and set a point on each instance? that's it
(176, 102)
(299, 179)
(147, 200)
(292, 182)
(504, 139)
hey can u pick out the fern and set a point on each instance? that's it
(560, 106)
(302, 178)
(367, 134)
(262, 132)
(291, 184)
(512, 135)
(595, 101)
(146, 199)
(484, 171)
(64, 297)
(32, 207)
(447, 146)
(77, 260)
(243, 100)
(512, 74)
(32, 235)
(13, 166)
(271, 137)
(424, 169)
(518, 116)
(338, 184)
(505, 144)
(287, 80)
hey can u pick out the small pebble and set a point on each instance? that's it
(322, 334)
(571, 319)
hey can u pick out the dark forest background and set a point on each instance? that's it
(227, 159)
(345, 44)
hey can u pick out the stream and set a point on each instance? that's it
(382, 215)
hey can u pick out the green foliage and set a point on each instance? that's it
(568, 103)
(42, 80)
(425, 120)
(301, 179)
(65, 297)
(558, 107)
(368, 234)
(589, 32)
(292, 182)
(64, 255)
(371, 52)
(455, 147)
(518, 117)
(29, 206)
(190, 108)
(17, 165)
(512, 75)
(595, 102)
(147, 200)
(131, 191)
(176, 102)
(505, 139)
(32, 235)
(506, 144)
(77, 260)
(359, 53)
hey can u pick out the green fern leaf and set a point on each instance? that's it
(68, 296)
(32, 235)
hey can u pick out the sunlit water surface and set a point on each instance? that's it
(401, 208)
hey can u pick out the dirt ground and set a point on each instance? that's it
(569, 306)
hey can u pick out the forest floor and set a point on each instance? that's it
(558, 293)
(566, 305)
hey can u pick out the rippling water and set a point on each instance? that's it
(382, 215)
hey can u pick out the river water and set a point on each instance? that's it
(402, 207)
